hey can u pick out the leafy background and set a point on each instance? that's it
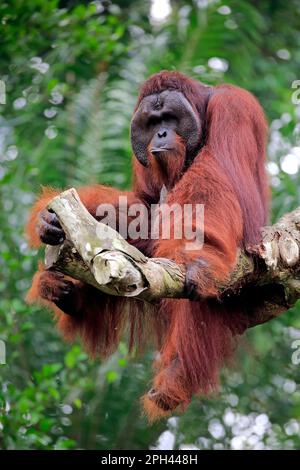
(71, 71)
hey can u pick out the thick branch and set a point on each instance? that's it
(98, 255)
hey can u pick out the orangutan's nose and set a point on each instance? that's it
(162, 134)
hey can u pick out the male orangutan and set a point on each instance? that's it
(204, 145)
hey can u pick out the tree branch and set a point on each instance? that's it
(97, 254)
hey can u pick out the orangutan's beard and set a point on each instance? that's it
(167, 166)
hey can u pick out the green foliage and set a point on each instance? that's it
(71, 72)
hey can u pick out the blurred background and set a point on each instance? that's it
(70, 73)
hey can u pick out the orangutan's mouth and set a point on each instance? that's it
(159, 150)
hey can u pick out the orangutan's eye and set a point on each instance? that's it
(169, 117)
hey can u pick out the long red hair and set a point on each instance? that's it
(228, 176)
